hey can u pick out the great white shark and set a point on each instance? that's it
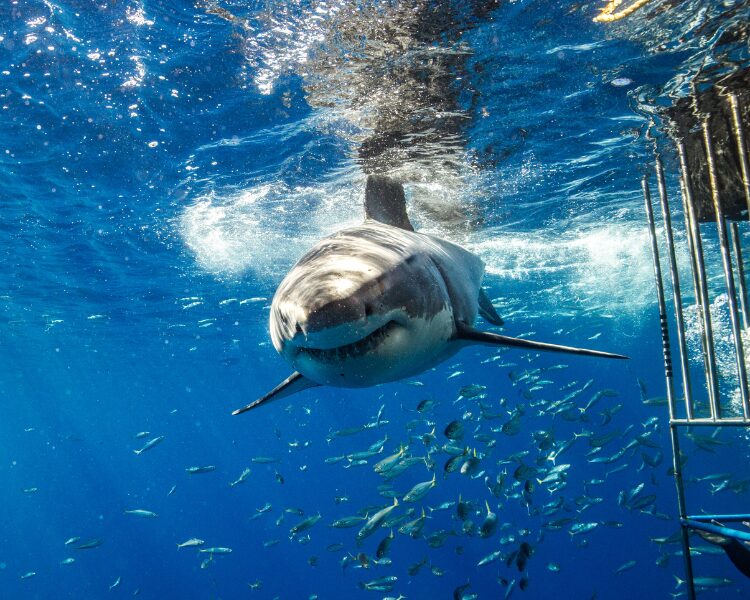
(380, 302)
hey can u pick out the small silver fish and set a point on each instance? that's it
(489, 525)
(216, 550)
(454, 430)
(420, 490)
(150, 444)
(88, 544)
(375, 521)
(203, 469)
(139, 512)
(304, 525)
(243, 476)
(490, 558)
(346, 522)
(382, 584)
(625, 567)
(190, 543)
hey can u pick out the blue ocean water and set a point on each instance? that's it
(163, 165)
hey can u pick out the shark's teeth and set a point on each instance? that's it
(353, 350)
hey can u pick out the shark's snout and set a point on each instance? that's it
(327, 308)
(333, 314)
(326, 325)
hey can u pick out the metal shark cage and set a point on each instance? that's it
(714, 180)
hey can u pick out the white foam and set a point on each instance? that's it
(724, 349)
(609, 266)
(264, 229)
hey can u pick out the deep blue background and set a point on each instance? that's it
(137, 277)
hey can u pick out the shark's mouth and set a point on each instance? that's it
(353, 350)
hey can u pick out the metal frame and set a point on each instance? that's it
(694, 411)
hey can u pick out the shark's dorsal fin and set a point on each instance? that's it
(487, 310)
(385, 202)
(296, 382)
(468, 334)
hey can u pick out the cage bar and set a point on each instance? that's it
(714, 185)
(676, 463)
(704, 301)
(676, 294)
(726, 261)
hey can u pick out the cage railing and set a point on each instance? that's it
(708, 196)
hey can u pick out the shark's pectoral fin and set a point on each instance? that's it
(739, 554)
(471, 335)
(736, 551)
(296, 382)
(487, 310)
